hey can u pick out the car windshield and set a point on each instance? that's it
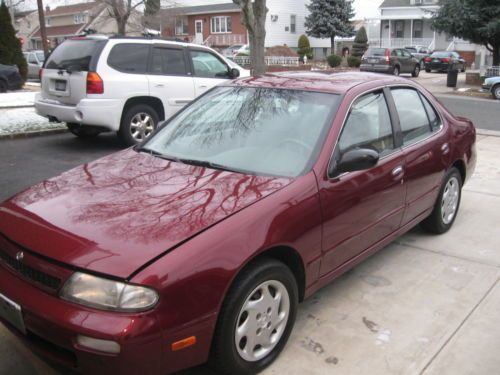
(258, 131)
(40, 56)
(441, 54)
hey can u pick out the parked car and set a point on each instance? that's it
(230, 51)
(389, 60)
(420, 53)
(35, 60)
(243, 51)
(443, 61)
(10, 79)
(200, 242)
(86, 77)
(492, 85)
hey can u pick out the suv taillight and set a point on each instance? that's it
(95, 84)
(388, 56)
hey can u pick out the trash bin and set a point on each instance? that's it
(452, 77)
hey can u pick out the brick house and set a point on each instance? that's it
(215, 25)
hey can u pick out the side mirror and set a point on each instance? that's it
(355, 160)
(234, 73)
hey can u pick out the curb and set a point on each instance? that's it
(17, 106)
(38, 133)
(489, 133)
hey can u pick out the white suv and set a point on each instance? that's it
(128, 85)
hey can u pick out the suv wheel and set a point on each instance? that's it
(396, 70)
(3, 86)
(138, 123)
(496, 91)
(256, 319)
(416, 71)
(82, 131)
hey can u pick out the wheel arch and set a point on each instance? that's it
(460, 165)
(152, 101)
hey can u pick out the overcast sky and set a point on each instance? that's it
(363, 8)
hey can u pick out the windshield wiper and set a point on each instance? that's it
(157, 154)
(209, 164)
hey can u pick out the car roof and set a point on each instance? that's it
(336, 83)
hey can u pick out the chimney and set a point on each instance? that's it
(47, 9)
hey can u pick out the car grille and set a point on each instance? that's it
(30, 273)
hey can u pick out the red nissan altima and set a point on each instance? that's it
(198, 244)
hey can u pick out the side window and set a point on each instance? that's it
(168, 61)
(412, 115)
(433, 116)
(405, 53)
(368, 125)
(32, 59)
(208, 65)
(129, 57)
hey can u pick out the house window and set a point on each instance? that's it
(181, 26)
(417, 28)
(47, 21)
(293, 23)
(221, 24)
(79, 18)
(400, 29)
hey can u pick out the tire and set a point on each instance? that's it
(416, 71)
(422, 65)
(450, 195)
(464, 68)
(396, 71)
(227, 357)
(427, 70)
(137, 124)
(495, 91)
(3, 86)
(82, 131)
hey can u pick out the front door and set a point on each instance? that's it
(361, 208)
(198, 32)
(208, 70)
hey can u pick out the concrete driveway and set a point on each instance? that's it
(424, 305)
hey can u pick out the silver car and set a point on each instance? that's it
(35, 61)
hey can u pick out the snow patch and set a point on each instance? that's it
(17, 99)
(22, 120)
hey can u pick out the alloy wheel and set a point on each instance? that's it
(262, 320)
(141, 126)
(449, 202)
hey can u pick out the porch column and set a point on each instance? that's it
(390, 33)
(411, 32)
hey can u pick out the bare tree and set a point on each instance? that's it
(254, 19)
(120, 11)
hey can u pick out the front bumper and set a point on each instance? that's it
(486, 87)
(52, 326)
(105, 113)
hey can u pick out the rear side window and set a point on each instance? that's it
(168, 61)
(129, 57)
(375, 52)
(431, 112)
(74, 54)
(412, 115)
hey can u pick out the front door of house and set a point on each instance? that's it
(198, 32)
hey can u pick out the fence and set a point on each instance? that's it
(493, 71)
(270, 60)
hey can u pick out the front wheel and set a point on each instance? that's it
(446, 208)
(496, 91)
(137, 124)
(396, 71)
(416, 71)
(256, 319)
(3, 86)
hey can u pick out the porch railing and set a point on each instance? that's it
(270, 60)
(492, 71)
(219, 40)
(401, 42)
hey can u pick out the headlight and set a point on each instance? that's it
(107, 294)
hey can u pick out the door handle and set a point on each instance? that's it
(203, 86)
(445, 148)
(397, 172)
(159, 85)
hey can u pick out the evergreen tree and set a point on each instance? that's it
(330, 18)
(10, 47)
(360, 44)
(151, 7)
(475, 20)
(304, 47)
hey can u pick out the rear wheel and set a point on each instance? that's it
(446, 208)
(416, 71)
(3, 86)
(82, 131)
(496, 91)
(138, 123)
(396, 71)
(256, 319)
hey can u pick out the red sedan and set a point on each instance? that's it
(198, 244)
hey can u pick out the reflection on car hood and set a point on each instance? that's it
(117, 213)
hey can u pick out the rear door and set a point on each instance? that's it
(170, 78)
(64, 77)
(208, 70)
(406, 61)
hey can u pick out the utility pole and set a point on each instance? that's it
(43, 31)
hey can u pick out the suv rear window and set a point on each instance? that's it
(129, 57)
(375, 52)
(74, 54)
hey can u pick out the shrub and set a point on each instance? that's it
(334, 60)
(10, 47)
(360, 44)
(353, 61)
(304, 47)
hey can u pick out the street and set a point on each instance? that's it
(424, 305)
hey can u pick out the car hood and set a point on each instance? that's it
(116, 214)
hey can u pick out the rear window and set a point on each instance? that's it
(129, 57)
(441, 54)
(73, 54)
(375, 52)
(411, 49)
